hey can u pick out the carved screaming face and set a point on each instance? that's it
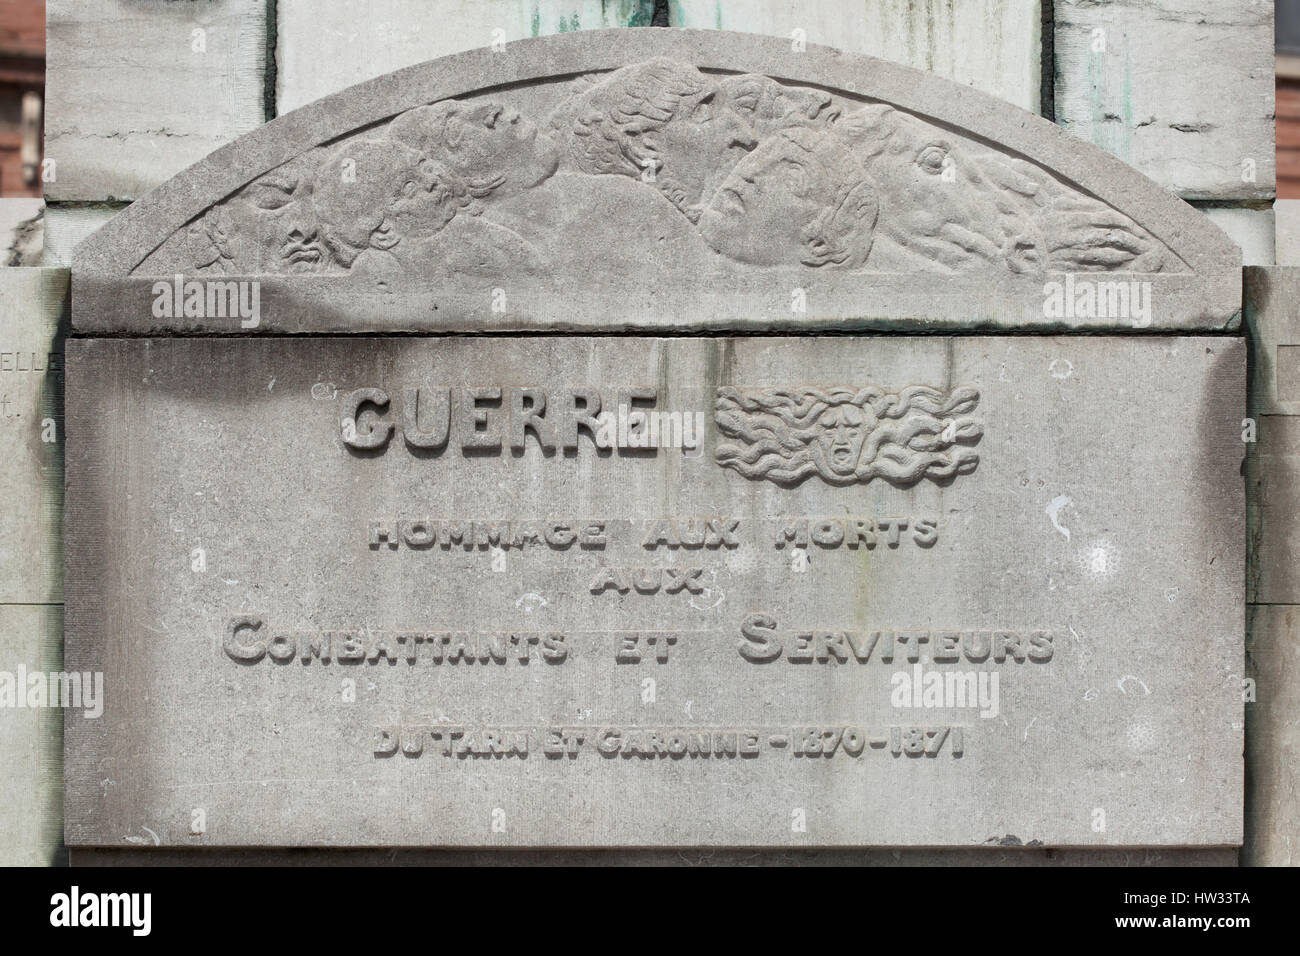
(841, 431)
(278, 209)
(800, 197)
(846, 435)
(487, 144)
(301, 250)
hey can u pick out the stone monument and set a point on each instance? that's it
(381, 538)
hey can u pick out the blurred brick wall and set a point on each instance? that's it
(22, 76)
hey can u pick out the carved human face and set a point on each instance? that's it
(275, 224)
(483, 141)
(208, 240)
(759, 212)
(300, 247)
(841, 432)
(429, 201)
(695, 148)
(353, 194)
(769, 106)
(289, 236)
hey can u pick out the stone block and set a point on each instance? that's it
(1180, 89)
(1273, 482)
(21, 229)
(481, 191)
(1253, 230)
(31, 787)
(1272, 751)
(137, 90)
(787, 633)
(66, 227)
(34, 306)
(1271, 296)
(992, 45)
(324, 47)
(1287, 212)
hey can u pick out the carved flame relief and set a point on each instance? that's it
(847, 436)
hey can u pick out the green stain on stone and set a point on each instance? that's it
(535, 22)
(636, 13)
(1111, 128)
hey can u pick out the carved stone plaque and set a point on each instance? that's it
(565, 591)
(680, 179)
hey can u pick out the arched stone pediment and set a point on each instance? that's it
(657, 179)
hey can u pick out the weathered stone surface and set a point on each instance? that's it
(1044, 500)
(1253, 230)
(1270, 297)
(1273, 434)
(1273, 469)
(137, 90)
(66, 227)
(983, 856)
(1181, 89)
(754, 205)
(20, 232)
(992, 45)
(31, 787)
(322, 48)
(1272, 796)
(1288, 231)
(34, 317)
(34, 307)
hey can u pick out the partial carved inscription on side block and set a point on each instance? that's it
(657, 592)
(34, 320)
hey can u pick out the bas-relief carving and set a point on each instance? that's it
(659, 163)
(846, 435)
